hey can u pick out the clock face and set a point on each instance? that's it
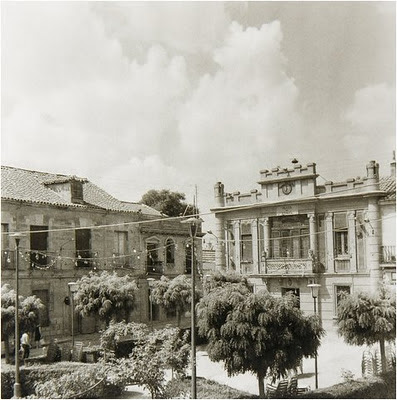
(286, 188)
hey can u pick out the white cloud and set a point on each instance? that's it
(371, 117)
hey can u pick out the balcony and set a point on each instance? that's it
(8, 259)
(288, 266)
(388, 254)
(83, 259)
(155, 268)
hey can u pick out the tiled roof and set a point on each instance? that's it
(388, 184)
(34, 187)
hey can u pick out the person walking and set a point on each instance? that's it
(25, 344)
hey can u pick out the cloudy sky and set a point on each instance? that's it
(150, 95)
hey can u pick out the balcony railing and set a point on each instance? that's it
(285, 266)
(83, 259)
(155, 267)
(388, 254)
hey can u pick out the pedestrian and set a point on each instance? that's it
(25, 344)
(37, 336)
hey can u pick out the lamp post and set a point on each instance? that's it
(17, 384)
(150, 282)
(72, 289)
(315, 287)
(194, 223)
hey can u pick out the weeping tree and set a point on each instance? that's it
(174, 294)
(256, 333)
(110, 296)
(29, 315)
(366, 319)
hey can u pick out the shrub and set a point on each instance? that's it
(81, 384)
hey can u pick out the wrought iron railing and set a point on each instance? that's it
(388, 254)
(83, 259)
(155, 267)
(285, 266)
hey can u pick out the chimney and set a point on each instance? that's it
(76, 191)
(219, 191)
(393, 165)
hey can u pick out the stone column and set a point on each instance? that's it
(255, 249)
(373, 227)
(237, 246)
(329, 239)
(266, 242)
(351, 234)
(313, 232)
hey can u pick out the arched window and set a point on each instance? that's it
(170, 251)
(153, 264)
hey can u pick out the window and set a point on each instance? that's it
(43, 295)
(121, 248)
(340, 291)
(361, 238)
(153, 264)
(290, 237)
(321, 244)
(295, 292)
(38, 245)
(170, 251)
(7, 255)
(83, 247)
(341, 234)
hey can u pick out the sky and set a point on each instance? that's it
(180, 95)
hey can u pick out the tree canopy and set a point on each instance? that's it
(110, 296)
(169, 203)
(259, 333)
(365, 318)
(174, 294)
(29, 314)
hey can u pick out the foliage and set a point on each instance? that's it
(29, 314)
(108, 295)
(169, 203)
(153, 353)
(206, 389)
(33, 374)
(367, 319)
(175, 294)
(347, 375)
(380, 387)
(219, 279)
(91, 382)
(258, 333)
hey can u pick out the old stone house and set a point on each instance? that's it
(72, 227)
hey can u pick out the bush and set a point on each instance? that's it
(63, 378)
(381, 387)
(84, 383)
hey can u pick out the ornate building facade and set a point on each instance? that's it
(293, 232)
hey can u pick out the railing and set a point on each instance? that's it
(285, 266)
(388, 254)
(8, 259)
(342, 264)
(155, 267)
(83, 259)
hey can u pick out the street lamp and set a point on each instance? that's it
(194, 224)
(315, 287)
(17, 384)
(73, 290)
(150, 283)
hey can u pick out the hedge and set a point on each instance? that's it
(31, 375)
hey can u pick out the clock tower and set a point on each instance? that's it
(288, 183)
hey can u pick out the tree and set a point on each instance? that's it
(169, 203)
(29, 315)
(174, 295)
(219, 279)
(152, 354)
(368, 319)
(265, 335)
(110, 296)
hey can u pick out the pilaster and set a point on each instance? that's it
(351, 233)
(329, 239)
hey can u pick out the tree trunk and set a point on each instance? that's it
(382, 354)
(7, 349)
(261, 385)
(178, 318)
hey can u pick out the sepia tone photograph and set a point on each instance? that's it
(198, 199)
